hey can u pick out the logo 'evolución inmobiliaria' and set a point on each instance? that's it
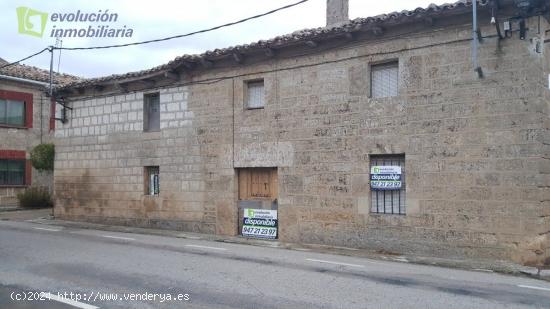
(33, 22)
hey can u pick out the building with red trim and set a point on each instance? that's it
(26, 120)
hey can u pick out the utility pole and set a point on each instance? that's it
(50, 48)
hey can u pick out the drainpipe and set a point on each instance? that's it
(475, 40)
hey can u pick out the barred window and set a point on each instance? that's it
(388, 184)
(255, 95)
(385, 80)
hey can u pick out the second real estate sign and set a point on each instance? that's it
(260, 223)
(385, 177)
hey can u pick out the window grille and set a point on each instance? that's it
(389, 201)
(385, 80)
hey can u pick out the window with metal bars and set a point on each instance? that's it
(255, 95)
(392, 200)
(385, 80)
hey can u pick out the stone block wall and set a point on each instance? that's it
(102, 152)
(475, 149)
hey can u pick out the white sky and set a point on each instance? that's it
(162, 18)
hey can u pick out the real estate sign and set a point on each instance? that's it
(385, 177)
(260, 223)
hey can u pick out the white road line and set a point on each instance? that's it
(187, 236)
(533, 287)
(335, 263)
(206, 247)
(45, 229)
(67, 301)
(483, 269)
(118, 237)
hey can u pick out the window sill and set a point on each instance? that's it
(253, 108)
(7, 126)
(14, 186)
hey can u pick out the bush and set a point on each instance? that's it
(35, 198)
(42, 157)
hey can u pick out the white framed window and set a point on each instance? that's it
(255, 94)
(385, 80)
(152, 180)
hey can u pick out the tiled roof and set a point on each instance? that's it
(394, 18)
(37, 74)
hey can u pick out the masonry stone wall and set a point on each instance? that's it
(476, 150)
(24, 139)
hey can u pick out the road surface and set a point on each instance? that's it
(41, 265)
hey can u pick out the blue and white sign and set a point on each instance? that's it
(385, 177)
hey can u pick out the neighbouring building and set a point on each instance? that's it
(371, 133)
(25, 121)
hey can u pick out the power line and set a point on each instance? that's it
(157, 40)
(187, 34)
(162, 39)
(28, 57)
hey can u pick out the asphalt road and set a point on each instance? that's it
(119, 270)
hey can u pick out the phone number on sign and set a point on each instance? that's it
(259, 231)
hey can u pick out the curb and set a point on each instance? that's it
(501, 267)
(10, 209)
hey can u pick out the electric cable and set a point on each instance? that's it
(28, 57)
(51, 48)
(187, 34)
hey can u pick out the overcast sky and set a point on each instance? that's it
(161, 18)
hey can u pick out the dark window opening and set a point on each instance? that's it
(151, 112)
(12, 112)
(12, 172)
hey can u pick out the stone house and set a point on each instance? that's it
(25, 121)
(302, 123)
